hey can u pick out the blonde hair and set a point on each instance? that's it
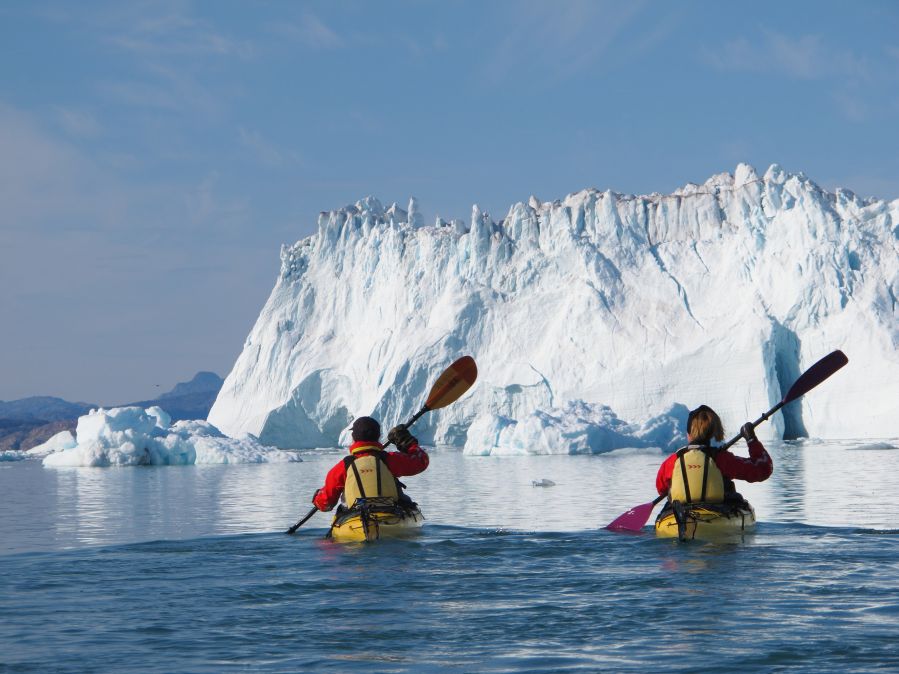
(704, 425)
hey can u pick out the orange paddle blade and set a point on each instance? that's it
(455, 381)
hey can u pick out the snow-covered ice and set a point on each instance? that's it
(130, 436)
(59, 442)
(620, 306)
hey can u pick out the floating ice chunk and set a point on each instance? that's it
(577, 428)
(874, 446)
(131, 436)
(12, 455)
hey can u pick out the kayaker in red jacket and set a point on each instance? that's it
(703, 426)
(366, 433)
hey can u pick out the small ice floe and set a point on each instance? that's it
(543, 483)
(872, 445)
(131, 436)
(12, 455)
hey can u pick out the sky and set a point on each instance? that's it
(154, 156)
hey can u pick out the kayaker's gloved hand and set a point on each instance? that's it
(748, 431)
(317, 502)
(402, 438)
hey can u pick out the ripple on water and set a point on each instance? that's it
(512, 579)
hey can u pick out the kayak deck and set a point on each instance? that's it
(376, 521)
(704, 520)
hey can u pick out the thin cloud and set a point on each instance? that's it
(565, 38)
(164, 87)
(173, 33)
(802, 57)
(310, 31)
(266, 153)
(154, 29)
(168, 51)
(35, 165)
(206, 206)
(806, 57)
(140, 94)
(78, 123)
(851, 105)
(738, 54)
(49, 185)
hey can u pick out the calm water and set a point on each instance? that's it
(187, 569)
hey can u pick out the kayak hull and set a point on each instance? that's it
(705, 520)
(355, 526)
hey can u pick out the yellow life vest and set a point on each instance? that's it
(696, 478)
(368, 477)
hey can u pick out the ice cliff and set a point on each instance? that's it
(620, 306)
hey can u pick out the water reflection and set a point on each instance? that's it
(788, 479)
(73, 507)
(834, 483)
(83, 504)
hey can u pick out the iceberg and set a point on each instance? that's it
(614, 305)
(132, 436)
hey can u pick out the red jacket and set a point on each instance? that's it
(756, 468)
(412, 462)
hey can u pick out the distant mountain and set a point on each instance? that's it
(203, 382)
(24, 435)
(188, 400)
(42, 408)
(28, 422)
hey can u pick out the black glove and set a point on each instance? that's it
(747, 430)
(401, 437)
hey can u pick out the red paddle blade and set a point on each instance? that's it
(634, 519)
(457, 379)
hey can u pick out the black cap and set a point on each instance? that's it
(366, 428)
(693, 413)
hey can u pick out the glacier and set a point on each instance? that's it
(595, 320)
(132, 436)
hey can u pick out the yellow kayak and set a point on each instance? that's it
(372, 521)
(704, 520)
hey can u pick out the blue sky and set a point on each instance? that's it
(154, 155)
